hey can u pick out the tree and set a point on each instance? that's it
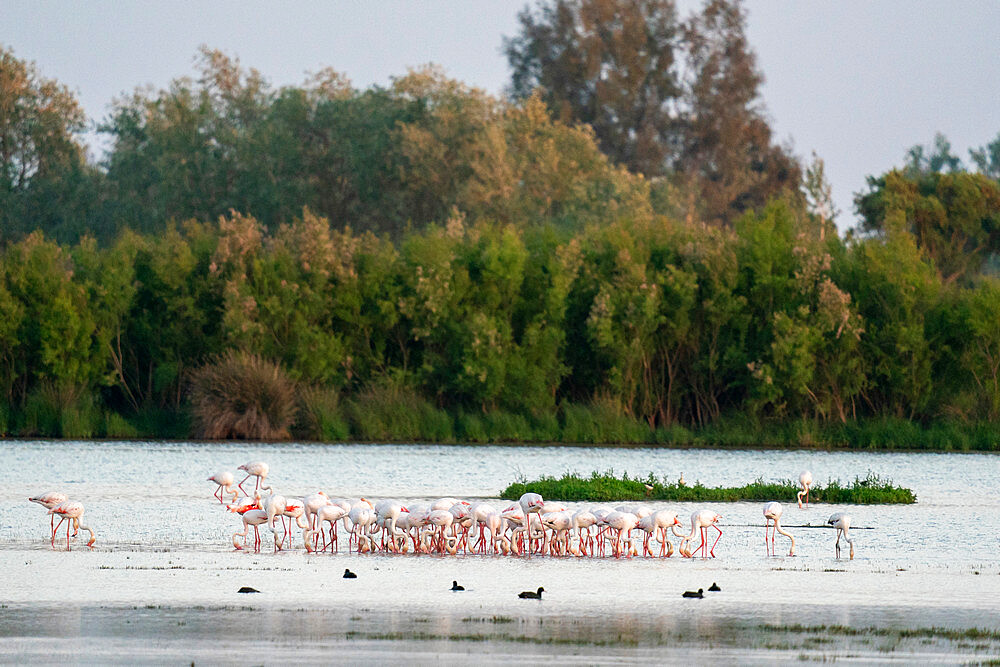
(728, 163)
(44, 180)
(609, 64)
(987, 159)
(614, 64)
(937, 159)
(954, 217)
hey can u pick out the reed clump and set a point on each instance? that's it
(608, 487)
(242, 396)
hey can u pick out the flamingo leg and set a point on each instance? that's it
(719, 537)
(240, 485)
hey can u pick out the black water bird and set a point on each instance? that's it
(456, 587)
(248, 589)
(692, 594)
(349, 575)
(531, 595)
(714, 587)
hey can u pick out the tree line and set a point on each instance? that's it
(638, 246)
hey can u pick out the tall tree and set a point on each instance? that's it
(610, 64)
(44, 179)
(728, 162)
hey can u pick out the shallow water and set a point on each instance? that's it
(164, 549)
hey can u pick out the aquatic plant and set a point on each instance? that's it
(608, 487)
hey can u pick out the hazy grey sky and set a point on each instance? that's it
(859, 82)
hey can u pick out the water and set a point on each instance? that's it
(164, 547)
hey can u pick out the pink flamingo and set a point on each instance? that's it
(257, 469)
(72, 510)
(623, 522)
(842, 522)
(48, 500)
(224, 480)
(772, 514)
(250, 518)
(805, 480)
(701, 521)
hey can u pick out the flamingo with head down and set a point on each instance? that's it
(48, 500)
(71, 510)
(805, 480)
(772, 515)
(701, 520)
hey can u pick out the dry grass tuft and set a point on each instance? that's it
(242, 396)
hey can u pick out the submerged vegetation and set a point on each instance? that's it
(607, 488)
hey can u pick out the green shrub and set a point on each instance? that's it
(602, 422)
(607, 488)
(390, 411)
(116, 426)
(242, 395)
(320, 417)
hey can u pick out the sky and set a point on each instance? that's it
(857, 82)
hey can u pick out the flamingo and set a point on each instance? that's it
(257, 469)
(250, 518)
(72, 510)
(294, 509)
(582, 522)
(333, 514)
(772, 513)
(623, 522)
(842, 522)
(274, 506)
(561, 524)
(531, 503)
(805, 480)
(224, 480)
(443, 519)
(701, 521)
(48, 500)
(362, 516)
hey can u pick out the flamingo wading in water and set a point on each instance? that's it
(805, 481)
(257, 469)
(772, 515)
(842, 522)
(701, 521)
(71, 510)
(48, 500)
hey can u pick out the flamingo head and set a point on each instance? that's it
(677, 521)
(403, 509)
(91, 542)
(365, 500)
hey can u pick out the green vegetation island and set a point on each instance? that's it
(606, 487)
(426, 262)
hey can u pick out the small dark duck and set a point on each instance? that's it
(531, 595)
(456, 587)
(693, 594)
(349, 575)
(714, 587)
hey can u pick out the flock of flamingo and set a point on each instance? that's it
(531, 525)
(449, 525)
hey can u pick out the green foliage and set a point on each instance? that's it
(609, 488)
(602, 422)
(389, 411)
(116, 426)
(320, 416)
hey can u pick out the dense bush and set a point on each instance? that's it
(241, 395)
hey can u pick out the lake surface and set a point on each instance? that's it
(164, 560)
